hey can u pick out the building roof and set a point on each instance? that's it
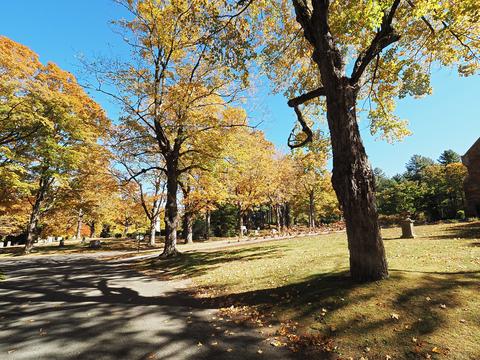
(475, 147)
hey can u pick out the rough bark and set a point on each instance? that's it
(35, 214)
(352, 179)
(354, 184)
(188, 228)
(171, 211)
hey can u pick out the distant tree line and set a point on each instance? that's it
(427, 190)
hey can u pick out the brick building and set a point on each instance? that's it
(472, 183)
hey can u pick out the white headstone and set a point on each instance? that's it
(8, 243)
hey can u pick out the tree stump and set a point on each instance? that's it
(407, 229)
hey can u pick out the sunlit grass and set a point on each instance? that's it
(428, 306)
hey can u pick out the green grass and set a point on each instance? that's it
(302, 287)
(76, 247)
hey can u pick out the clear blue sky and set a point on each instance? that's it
(60, 30)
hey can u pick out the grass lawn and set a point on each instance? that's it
(77, 247)
(428, 308)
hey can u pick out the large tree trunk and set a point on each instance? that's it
(354, 185)
(279, 218)
(188, 228)
(78, 234)
(311, 210)
(91, 225)
(206, 236)
(171, 212)
(35, 214)
(153, 231)
(288, 220)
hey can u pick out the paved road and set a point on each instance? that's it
(83, 307)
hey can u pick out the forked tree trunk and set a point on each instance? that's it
(354, 184)
(171, 214)
(35, 214)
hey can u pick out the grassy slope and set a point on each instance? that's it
(433, 290)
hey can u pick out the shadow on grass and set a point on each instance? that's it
(360, 313)
(460, 231)
(194, 264)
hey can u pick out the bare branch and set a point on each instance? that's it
(299, 100)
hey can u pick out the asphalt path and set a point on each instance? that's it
(90, 308)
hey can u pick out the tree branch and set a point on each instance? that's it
(299, 100)
(305, 129)
(384, 37)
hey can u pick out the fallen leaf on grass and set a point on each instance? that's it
(259, 351)
(277, 343)
(395, 316)
(199, 344)
(443, 306)
(435, 350)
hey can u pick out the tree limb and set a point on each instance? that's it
(299, 100)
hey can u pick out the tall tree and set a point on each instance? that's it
(376, 50)
(176, 84)
(449, 157)
(66, 120)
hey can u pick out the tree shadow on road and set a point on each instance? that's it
(86, 309)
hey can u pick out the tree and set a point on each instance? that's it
(350, 50)
(312, 173)
(449, 157)
(176, 85)
(248, 169)
(416, 165)
(65, 120)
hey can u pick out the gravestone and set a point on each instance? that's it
(243, 230)
(95, 244)
(1, 244)
(407, 229)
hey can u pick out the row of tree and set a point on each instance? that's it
(191, 60)
(66, 170)
(427, 190)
